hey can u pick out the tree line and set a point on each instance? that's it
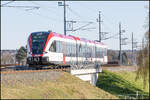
(18, 57)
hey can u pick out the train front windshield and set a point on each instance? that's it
(38, 41)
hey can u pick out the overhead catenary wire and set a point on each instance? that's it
(75, 13)
(112, 36)
(23, 6)
(43, 16)
(79, 16)
(47, 17)
(82, 26)
(72, 11)
(29, 10)
(47, 8)
(80, 21)
(108, 20)
(7, 3)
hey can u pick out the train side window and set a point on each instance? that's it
(79, 46)
(74, 49)
(105, 52)
(97, 52)
(93, 52)
(57, 47)
(84, 50)
(101, 53)
(61, 46)
(67, 49)
(53, 47)
(81, 50)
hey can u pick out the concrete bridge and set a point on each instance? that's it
(90, 74)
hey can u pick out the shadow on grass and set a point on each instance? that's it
(115, 85)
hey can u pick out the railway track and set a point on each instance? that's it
(4, 65)
(24, 69)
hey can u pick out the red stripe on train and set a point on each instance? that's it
(30, 44)
(63, 59)
(49, 37)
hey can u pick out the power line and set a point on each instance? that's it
(112, 36)
(7, 3)
(47, 8)
(33, 7)
(83, 26)
(22, 6)
(86, 22)
(43, 16)
(108, 20)
(72, 11)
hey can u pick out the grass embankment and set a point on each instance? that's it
(121, 83)
(66, 86)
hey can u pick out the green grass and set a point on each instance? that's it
(121, 83)
(65, 87)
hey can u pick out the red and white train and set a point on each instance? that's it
(52, 48)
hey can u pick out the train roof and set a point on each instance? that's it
(71, 37)
(77, 38)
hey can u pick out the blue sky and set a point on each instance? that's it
(18, 23)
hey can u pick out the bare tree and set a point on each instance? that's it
(143, 60)
(4, 58)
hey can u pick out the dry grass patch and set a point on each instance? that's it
(65, 87)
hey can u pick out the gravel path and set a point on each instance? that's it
(29, 77)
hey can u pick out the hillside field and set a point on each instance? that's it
(122, 83)
(66, 86)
